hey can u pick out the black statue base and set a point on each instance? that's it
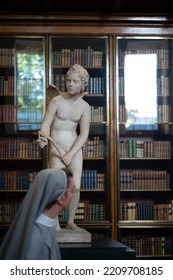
(101, 248)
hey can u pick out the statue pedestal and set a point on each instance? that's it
(73, 236)
(101, 248)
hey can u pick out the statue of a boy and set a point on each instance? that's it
(64, 113)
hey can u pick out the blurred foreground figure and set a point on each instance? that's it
(32, 233)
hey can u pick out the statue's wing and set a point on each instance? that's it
(84, 94)
(51, 92)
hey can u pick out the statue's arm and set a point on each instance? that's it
(49, 116)
(46, 124)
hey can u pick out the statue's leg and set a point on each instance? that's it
(55, 159)
(58, 227)
(72, 211)
(76, 168)
(55, 162)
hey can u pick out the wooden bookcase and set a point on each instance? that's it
(21, 111)
(22, 108)
(113, 35)
(93, 212)
(145, 145)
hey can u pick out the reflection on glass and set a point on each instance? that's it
(29, 83)
(140, 87)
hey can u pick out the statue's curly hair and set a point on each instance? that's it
(82, 72)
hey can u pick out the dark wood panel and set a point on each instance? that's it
(90, 6)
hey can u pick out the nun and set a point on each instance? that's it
(32, 233)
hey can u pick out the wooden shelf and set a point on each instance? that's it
(92, 224)
(145, 224)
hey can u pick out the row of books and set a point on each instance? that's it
(28, 50)
(97, 114)
(7, 85)
(163, 85)
(131, 116)
(8, 211)
(86, 212)
(92, 180)
(16, 179)
(150, 245)
(162, 56)
(59, 81)
(19, 148)
(22, 180)
(28, 148)
(163, 113)
(25, 86)
(93, 148)
(146, 211)
(22, 114)
(144, 180)
(138, 148)
(7, 57)
(29, 114)
(8, 113)
(86, 57)
(96, 84)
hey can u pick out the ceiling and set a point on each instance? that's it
(87, 6)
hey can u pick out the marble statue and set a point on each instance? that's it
(65, 112)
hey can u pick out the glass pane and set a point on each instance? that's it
(144, 83)
(140, 78)
(29, 59)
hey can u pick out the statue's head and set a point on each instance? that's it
(82, 72)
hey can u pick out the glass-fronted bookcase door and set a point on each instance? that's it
(91, 52)
(145, 126)
(22, 75)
